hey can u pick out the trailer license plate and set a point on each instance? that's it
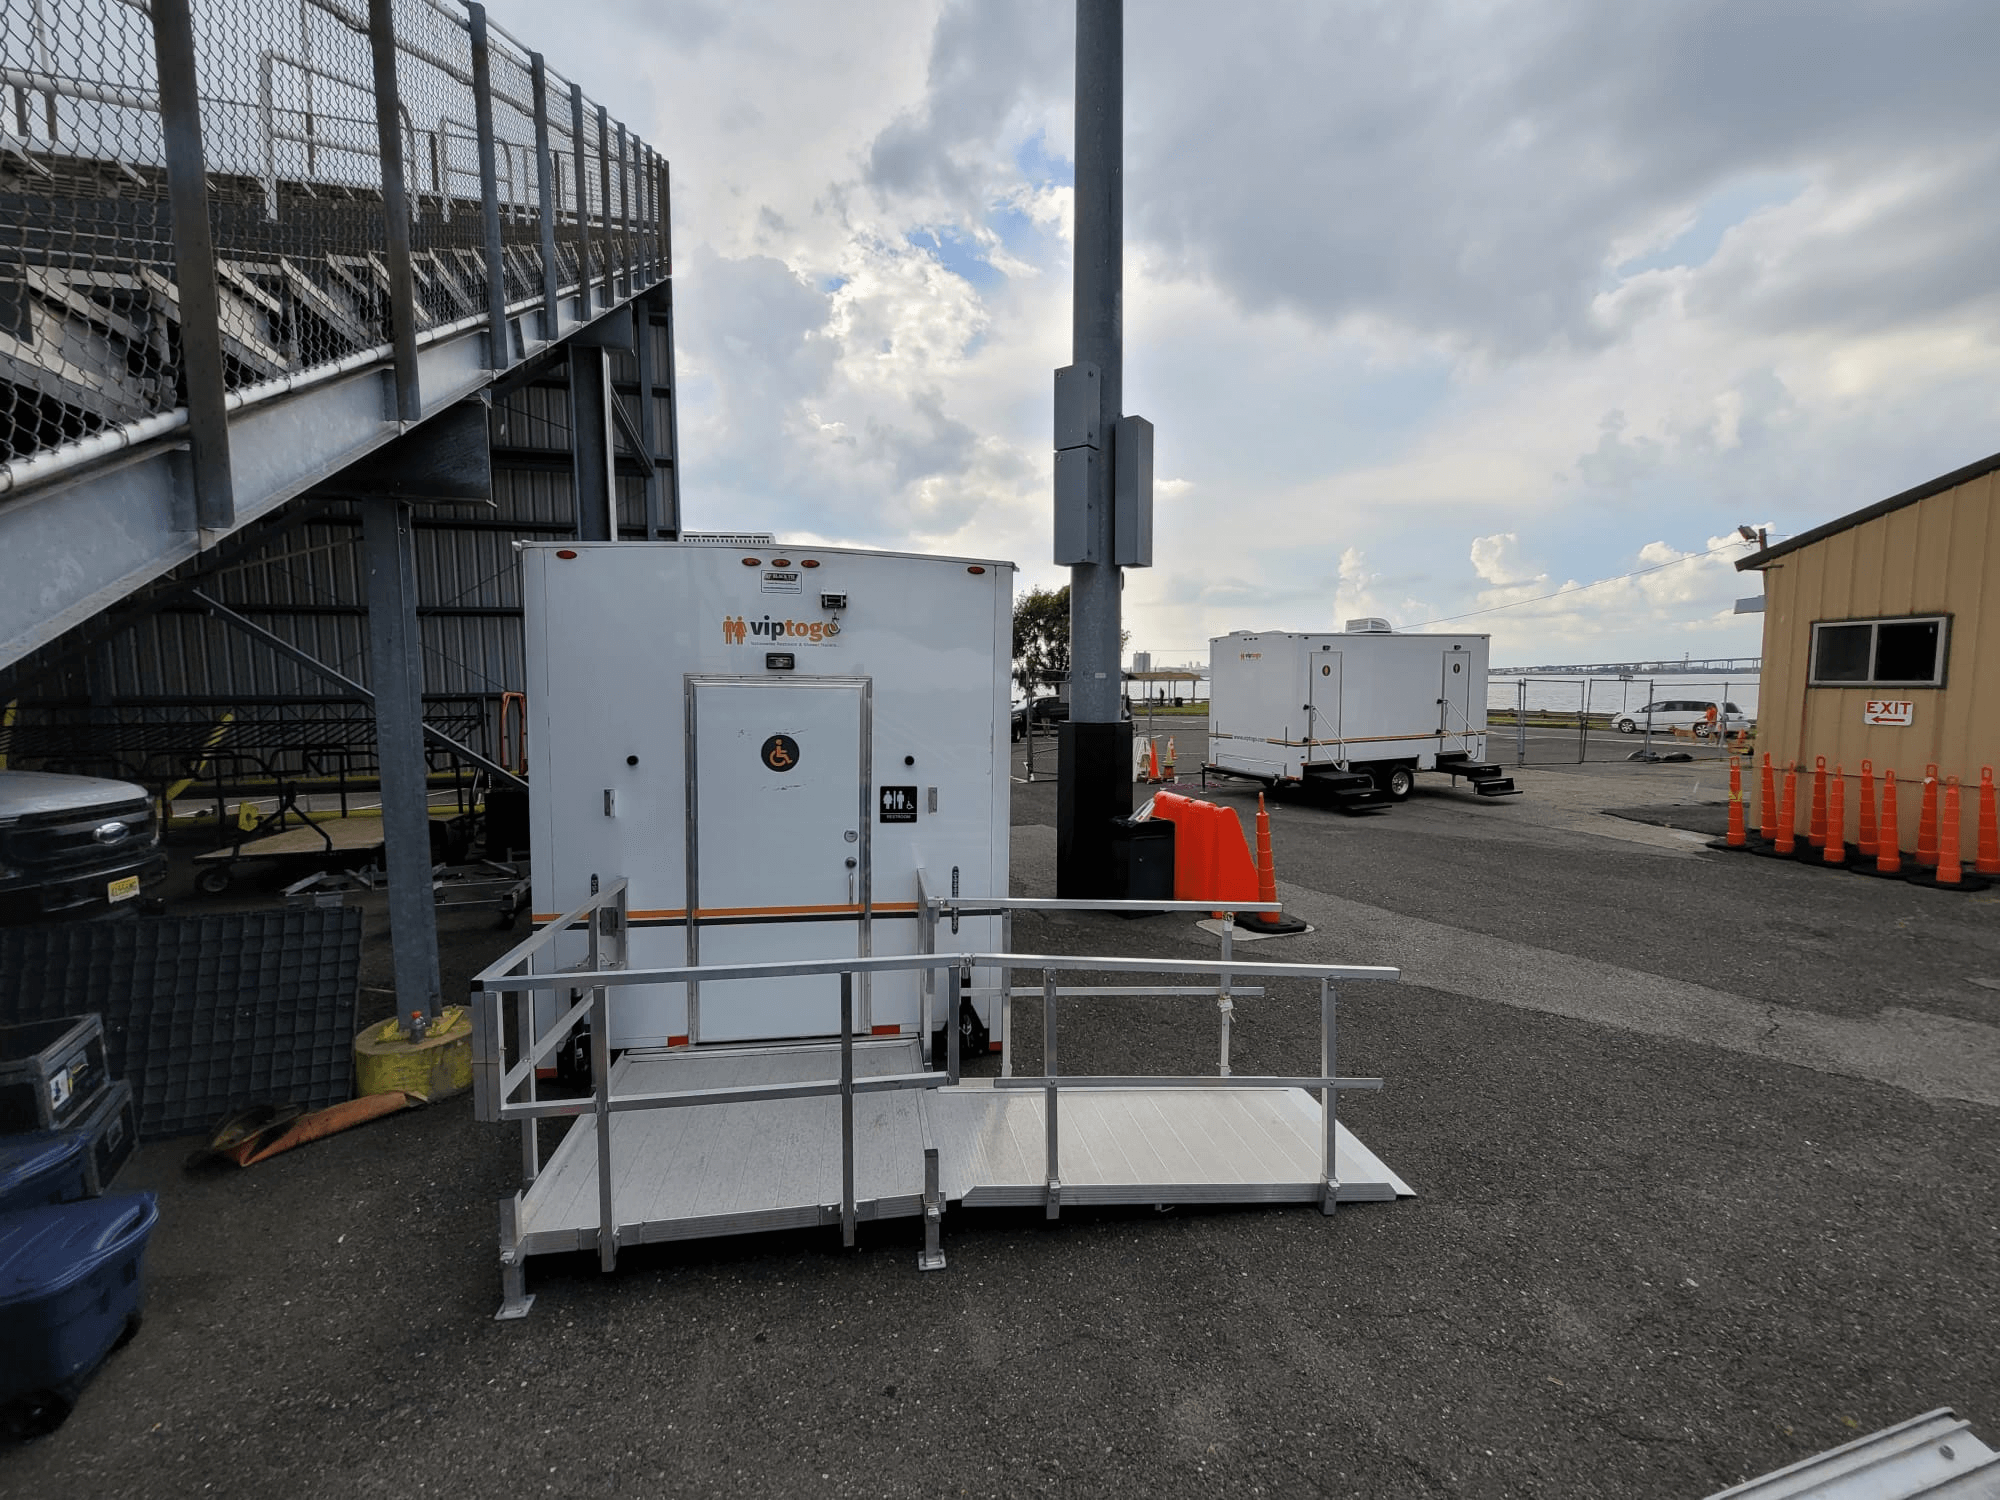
(123, 889)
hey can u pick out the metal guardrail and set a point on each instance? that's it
(206, 204)
(603, 918)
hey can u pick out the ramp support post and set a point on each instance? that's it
(515, 1298)
(1223, 1002)
(1053, 1159)
(1329, 1176)
(931, 1258)
(847, 1110)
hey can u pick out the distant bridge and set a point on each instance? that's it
(1694, 666)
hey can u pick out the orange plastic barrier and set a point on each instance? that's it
(1211, 860)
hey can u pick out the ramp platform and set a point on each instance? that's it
(736, 1168)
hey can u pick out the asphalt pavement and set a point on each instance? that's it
(1707, 1154)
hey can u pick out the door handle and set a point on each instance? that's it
(850, 879)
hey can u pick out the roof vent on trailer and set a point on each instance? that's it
(1373, 625)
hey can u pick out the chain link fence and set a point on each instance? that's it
(1572, 720)
(94, 339)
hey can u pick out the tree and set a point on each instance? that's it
(1041, 637)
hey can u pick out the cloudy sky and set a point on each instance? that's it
(1436, 307)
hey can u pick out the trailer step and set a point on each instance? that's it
(1350, 791)
(1487, 779)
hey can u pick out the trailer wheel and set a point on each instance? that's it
(213, 881)
(1398, 782)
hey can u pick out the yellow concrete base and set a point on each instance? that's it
(386, 1060)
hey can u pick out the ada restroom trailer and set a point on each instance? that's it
(1291, 709)
(768, 741)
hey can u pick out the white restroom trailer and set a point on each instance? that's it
(767, 742)
(1288, 708)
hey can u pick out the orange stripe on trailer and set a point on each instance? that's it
(891, 1030)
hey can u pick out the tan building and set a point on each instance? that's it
(1882, 643)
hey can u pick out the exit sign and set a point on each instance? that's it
(1889, 711)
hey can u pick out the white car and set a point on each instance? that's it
(1670, 714)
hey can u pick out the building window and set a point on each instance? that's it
(1906, 652)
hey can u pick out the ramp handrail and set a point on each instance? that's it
(603, 916)
(931, 908)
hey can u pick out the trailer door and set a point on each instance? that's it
(778, 851)
(1455, 705)
(1323, 706)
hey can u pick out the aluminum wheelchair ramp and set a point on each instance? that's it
(685, 1143)
(737, 1168)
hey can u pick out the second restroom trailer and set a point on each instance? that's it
(1292, 708)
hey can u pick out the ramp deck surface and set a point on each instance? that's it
(717, 1169)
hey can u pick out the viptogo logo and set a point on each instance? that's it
(737, 631)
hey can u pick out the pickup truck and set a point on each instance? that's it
(74, 846)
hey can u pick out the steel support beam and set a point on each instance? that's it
(214, 494)
(1094, 749)
(593, 462)
(545, 191)
(501, 350)
(395, 213)
(585, 302)
(649, 439)
(396, 666)
(609, 294)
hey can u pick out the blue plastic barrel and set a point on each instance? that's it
(40, 1167)
(72, 1282)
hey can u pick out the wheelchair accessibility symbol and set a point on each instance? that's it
(780, 752)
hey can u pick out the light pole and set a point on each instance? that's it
(1104, 476)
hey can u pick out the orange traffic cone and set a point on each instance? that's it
(1267, 878)
(1152, 760)
(1889, 838)
(1788, 814)
(1927, 822)
(1738, 839)
(1834, 850)
(1767, 805)
(1987, 860)
(1949, 871)
(1865, 844)
(1170, 755)
(1816, 829)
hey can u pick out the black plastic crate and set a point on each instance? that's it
(51, 1071)
(110, 1135)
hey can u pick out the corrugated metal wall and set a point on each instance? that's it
(1940, 555)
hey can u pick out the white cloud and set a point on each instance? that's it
(1435, 310)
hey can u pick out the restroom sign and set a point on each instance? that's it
(1889, 711)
